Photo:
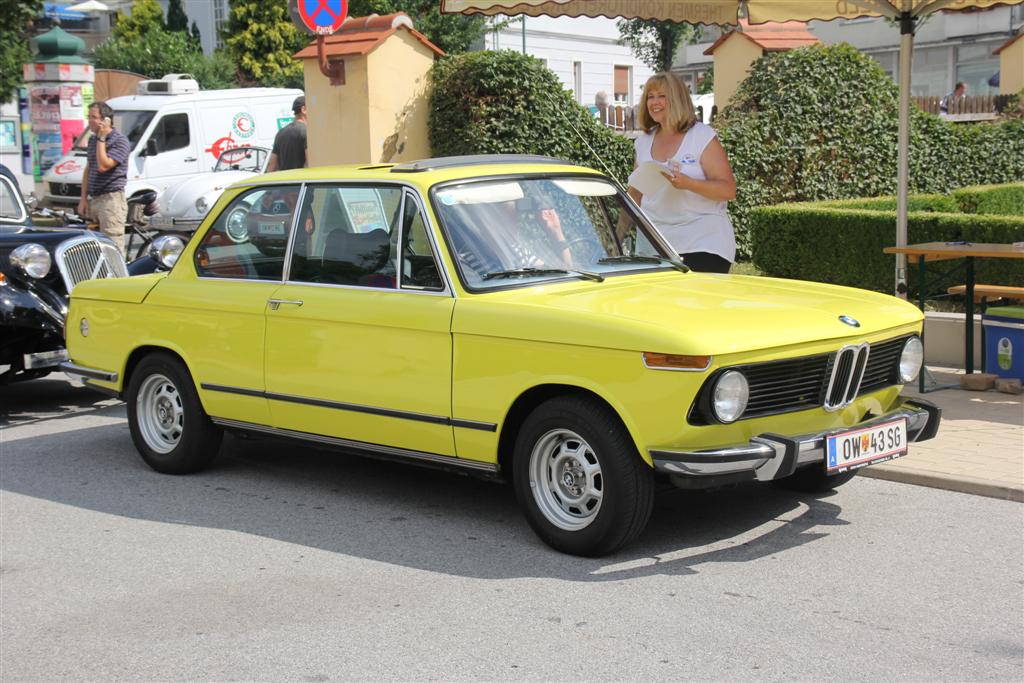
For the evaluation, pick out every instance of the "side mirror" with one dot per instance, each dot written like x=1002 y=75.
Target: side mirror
x=151 y=150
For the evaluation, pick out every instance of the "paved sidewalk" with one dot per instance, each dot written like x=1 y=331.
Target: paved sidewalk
x=979 y=448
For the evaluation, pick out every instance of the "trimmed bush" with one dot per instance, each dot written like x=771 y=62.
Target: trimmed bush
x=509 y=103
x=931 y=203
x=999 y=200
x=821 y=122
x=844 y=246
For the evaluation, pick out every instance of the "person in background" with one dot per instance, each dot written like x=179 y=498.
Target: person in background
x=290 y=142
x=689 y=209
x=106 y=175
x=959 y=92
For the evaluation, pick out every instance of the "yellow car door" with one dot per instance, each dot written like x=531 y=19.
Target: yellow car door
x=358 y=343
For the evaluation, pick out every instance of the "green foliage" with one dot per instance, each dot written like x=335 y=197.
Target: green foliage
x=841 y=242
x=261 y=39
x=177 y=20
x=453 y=33
x=162 y=52
x=14 y=51
x=506 y=102
x=655 y=42
x=146 y=17
x=821 y=122
x=707 y=83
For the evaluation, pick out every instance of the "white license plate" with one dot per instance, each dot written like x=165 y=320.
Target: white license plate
x=850 y=450
x=271 y=228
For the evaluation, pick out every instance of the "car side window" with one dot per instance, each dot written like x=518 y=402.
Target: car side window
x=348 y=235
x=419 y=267
x=11 y=208
x=171 y=133
x=249 y=239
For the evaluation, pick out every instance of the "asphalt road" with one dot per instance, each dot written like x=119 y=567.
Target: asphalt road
x=290 y=563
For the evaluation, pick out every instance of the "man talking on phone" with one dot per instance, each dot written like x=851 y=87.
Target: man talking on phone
x=106 y=175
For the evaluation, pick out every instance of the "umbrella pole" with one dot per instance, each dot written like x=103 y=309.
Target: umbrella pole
x=907 y=24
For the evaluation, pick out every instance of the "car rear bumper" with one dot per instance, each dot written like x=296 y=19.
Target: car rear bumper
x=774 y=456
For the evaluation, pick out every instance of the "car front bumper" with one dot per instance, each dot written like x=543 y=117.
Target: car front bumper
x=774 y=456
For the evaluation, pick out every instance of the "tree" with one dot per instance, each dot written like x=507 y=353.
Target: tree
x=177 y=20
x=261 y=39
x=706 y=85
x=453 y=33
x=146 y=16
x=14 y=50
x=197 y=37
x=655 y=42
x=161 y=52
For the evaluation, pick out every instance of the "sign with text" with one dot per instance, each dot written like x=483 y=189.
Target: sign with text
x=318 y=17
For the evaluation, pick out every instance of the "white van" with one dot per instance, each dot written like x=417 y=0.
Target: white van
x=177 y=130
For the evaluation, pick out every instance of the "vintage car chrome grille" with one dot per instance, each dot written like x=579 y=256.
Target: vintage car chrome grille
x=829 y=380
x=87 y=258
x=65 y=189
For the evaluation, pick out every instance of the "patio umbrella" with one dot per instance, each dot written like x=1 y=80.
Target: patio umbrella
x=725 y=12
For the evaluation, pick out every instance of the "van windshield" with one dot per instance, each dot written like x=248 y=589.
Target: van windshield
x=132 y=124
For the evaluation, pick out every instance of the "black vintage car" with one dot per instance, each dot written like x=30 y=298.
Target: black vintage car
x=38 y=268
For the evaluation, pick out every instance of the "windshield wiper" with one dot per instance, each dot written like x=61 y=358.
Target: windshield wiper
x=636 y=258
x=529 y=272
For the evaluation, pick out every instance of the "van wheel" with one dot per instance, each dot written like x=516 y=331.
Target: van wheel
x=168 y=425
x=813 y=480
x=579 y=480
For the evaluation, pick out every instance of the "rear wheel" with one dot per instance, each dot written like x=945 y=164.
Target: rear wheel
x=579 y=480
x=814 y=480
x=168 y=425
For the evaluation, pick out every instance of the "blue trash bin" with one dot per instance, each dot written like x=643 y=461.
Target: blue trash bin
x=1004 y=341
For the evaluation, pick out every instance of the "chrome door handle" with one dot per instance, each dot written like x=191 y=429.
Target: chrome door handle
x=274 y=303
x=190 y=158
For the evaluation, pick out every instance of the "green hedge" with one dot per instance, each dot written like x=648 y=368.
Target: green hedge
x=508 y=103
x=844 y=246
x=931 y=203
x=999 y=200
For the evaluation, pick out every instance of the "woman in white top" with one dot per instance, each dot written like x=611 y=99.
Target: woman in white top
x=689 y=208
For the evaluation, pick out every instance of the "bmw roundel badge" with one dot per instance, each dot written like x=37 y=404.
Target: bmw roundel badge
x=852 y=322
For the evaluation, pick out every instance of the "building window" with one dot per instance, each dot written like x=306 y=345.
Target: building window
x=975 y=65
x=930 y=74
x=622 y=89
x=220 y=20
x=577 y=81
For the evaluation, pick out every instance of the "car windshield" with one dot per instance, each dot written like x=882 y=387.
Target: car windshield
x=11 y=206
x=242 y=159
x=132 y=124
x=528 y=230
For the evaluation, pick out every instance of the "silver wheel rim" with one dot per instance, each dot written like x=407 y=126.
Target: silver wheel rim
x=566 y=479
x=160 y=413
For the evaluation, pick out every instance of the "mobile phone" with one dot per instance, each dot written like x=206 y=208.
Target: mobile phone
x=110 y=121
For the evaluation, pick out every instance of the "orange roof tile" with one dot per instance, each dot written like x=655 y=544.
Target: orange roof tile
x=360 y=35
x=771 y=36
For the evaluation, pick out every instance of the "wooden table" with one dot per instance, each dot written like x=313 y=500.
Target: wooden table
x=943 y=251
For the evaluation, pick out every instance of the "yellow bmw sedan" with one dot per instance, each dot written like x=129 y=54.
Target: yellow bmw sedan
x=506 y=316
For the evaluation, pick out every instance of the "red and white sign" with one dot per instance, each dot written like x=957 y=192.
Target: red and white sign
x=66 y=167
x=318 y=17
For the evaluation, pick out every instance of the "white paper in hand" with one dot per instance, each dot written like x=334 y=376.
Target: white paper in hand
x=647 y=177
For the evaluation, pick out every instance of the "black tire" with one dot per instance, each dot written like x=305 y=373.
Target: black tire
x=814 y=480
x=170 y=429
x=582 y=439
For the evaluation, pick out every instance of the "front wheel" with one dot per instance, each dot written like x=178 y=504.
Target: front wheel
x=578 y=477
x=170 y=429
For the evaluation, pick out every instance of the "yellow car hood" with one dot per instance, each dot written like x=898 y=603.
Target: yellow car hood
x=687 y=313
x=128 y=290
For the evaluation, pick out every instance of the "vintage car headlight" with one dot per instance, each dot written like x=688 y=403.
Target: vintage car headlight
x=730 y=395
x=911 y=359
x=202 y=206
x=237 y=225
x=33 y=259
x=167 y=249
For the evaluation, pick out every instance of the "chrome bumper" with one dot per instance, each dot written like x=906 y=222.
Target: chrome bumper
x=89 y=373
x=773 y=456
x=44 y=359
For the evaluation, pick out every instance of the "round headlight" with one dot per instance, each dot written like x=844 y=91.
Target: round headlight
x=730 y=396
x=911 y=359
x=237 y=225
x=167 y=249
x=202 y=206
x=33 y=259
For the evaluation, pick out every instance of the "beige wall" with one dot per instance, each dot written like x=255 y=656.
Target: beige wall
x=379 y=115
x=399 y=73
x=733 y=59
x=1011 y=69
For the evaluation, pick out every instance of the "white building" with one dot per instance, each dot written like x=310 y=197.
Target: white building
x=583 y=52
x=210 y=16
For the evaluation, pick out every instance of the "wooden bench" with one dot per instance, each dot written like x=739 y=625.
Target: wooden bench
x=990 y=292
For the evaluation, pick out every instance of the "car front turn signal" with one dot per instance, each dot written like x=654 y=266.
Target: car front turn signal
x=670 y=361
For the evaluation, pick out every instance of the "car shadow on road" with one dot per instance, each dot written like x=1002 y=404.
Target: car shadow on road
x=48 y=398
x=387 y=512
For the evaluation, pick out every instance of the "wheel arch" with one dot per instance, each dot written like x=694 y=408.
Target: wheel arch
x=140 y=352
x=528 y=400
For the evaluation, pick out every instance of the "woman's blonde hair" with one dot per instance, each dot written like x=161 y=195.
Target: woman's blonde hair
x=681 y=115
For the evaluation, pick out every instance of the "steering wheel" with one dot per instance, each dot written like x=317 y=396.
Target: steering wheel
x=592 y=252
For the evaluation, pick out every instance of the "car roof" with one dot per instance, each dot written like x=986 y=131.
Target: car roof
x=426 y=173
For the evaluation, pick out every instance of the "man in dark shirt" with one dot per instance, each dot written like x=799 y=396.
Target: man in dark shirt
x=106 y=174
x=290 y=143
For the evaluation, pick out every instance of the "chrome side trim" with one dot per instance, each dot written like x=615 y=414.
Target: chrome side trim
x=378 y=449
x=354 y=407
x=92 y=373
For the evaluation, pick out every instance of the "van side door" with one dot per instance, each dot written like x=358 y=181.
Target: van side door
x=171 y=151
